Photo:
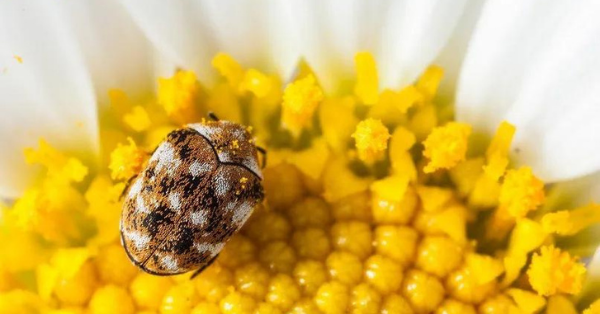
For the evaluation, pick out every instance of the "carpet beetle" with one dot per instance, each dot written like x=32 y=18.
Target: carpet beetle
x=198 y=188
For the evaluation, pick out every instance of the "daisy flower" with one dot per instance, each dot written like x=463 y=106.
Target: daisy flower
x=424 y=157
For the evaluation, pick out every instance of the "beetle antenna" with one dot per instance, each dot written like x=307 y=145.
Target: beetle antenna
x=213 y=116
x=264 y=153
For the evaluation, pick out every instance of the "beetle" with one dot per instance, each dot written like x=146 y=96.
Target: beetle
x=198 y=188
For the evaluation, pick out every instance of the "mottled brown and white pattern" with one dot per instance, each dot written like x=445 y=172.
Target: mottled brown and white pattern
x=199 y=188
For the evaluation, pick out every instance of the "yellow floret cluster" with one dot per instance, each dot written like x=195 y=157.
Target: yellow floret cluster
x=376 y=202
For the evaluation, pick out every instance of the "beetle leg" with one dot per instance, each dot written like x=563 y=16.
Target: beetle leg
x=264 y=153
x=213 y=116
x=196 y=273
x=127 y=187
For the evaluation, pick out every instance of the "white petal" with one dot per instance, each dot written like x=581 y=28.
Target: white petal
x=405 y=36
x=180 y=32
x=453 y=53
x=414 y=32
x=534 y=63
x=70 y=51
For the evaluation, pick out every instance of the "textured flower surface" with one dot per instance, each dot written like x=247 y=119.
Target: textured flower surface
x=388 y=189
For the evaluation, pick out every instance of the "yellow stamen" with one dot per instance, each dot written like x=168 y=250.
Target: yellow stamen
x=371 y=138
x=553 y=271
x=229 y=68
x=59 y=166
x=367 y=83
x=528 y=302
x=593 y=309
x=401 y=142
x=521 y=192
x=178 y=95
x=446 y=146
x=570 y=222
x=300 y=99
x=126 y=160
x=430 y=80
x=138 y=119
x=560 y=304
x=255 y=82
x=484 y=268
x=497 y=153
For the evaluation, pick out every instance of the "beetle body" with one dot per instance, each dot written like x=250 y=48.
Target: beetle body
x=198 y=188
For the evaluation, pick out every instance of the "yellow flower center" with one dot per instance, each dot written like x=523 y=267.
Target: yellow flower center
x=374 y=204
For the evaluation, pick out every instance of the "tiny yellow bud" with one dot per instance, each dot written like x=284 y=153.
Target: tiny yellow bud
x=396 y=304
x=383 y=273
x=237 y=303
x=205 y=308
x=388 y=211
x=267 y=308
x=111 y=299
x=464 y=286
x=365 y=300
x=450 y=306
x=278 y=256
x=78 y=289
x=114 y=266
x=238 y=251
x=310 y=212
x=396 y=242
x=311 y=243
x=213 y=283
x=252 y=279
x=438 y=255
x=283 y=292
x=498 y=304
x=332 y=298
x=310 y=275
x=179 y=299
x=352 y=236
x=148 y=290
x=284 y=185
x=423 y=291
x=344 y=267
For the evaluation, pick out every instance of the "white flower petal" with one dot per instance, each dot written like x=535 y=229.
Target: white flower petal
x=70 y=51
x=534 y=63
x=180 y=32
x=414 y=33
x=452 y=56
x=405 y=36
